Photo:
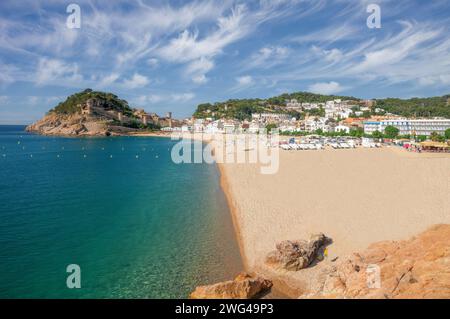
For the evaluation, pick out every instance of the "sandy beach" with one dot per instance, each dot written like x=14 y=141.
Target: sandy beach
x=356 y=197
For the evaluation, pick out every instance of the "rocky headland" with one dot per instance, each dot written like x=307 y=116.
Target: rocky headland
x=91 y=113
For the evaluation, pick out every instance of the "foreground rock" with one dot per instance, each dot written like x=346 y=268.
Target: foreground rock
x=244 y=286
x=296 y=255
x=416 y=268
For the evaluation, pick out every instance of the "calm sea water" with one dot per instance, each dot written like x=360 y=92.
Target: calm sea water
x=138 y=225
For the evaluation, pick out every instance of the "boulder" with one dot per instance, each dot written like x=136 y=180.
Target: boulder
x=244 y=286
x=297 y=255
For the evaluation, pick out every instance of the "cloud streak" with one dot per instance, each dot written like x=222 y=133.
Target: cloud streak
x=326 y=88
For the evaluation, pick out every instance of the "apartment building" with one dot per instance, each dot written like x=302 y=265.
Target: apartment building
x=409 y=127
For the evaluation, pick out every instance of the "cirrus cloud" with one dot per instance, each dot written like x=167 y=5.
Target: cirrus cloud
x=136 y=81
x=326 y=88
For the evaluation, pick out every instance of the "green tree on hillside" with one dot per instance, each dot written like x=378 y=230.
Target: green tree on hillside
x=421 y=138
x=377 y=134
x=391 y=131
x=447 y=134
x=270 y=127
x=111 y=101
x=358 y=132
x=417 y=107
x=436 y=137
x=319 y=132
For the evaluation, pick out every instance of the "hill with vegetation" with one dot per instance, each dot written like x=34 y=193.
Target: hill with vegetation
x=307 y=97
x=72 y=104
x=242 y=109
x=93 y=113
x=417 y=107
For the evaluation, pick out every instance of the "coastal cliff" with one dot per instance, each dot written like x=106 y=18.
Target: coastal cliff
x=74 y=124
x=91 y=113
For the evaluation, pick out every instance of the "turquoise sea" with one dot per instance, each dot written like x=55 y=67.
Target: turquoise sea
x=138 y=225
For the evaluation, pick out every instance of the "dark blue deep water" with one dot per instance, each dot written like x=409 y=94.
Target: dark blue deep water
x=138 y=225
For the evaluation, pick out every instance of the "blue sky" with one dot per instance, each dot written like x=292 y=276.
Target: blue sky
x=172 y=55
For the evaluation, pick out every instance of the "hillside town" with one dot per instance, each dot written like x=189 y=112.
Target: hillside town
x=336 y=116
x=335 y=123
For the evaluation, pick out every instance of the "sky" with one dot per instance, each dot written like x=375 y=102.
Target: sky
x=173 y=55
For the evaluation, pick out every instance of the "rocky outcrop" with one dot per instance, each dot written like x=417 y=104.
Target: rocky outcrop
x=94 y=113
x=95 y=117
x=244 y=286
x=415 y=268
x=296 y=255
x=74 y=124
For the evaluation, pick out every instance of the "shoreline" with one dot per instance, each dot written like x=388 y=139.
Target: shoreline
x=234 y=215
x=137 y=134
x=281 y=288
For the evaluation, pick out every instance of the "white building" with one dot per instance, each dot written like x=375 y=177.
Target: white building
x=402 y=124
x=293 y=104
x=345 y=113
x=255 y=128
x=186 y=128
x=198 y=127
x=342 y=128
x=371 y=126
x=288 y=128
x=270 y=117
x=215 y=127
x=426 y=127
x=229 y=127
x=312 y=125
x=410 y=127
x=310 y=106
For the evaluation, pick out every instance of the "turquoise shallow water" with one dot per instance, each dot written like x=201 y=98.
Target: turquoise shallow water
x=138 y=225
